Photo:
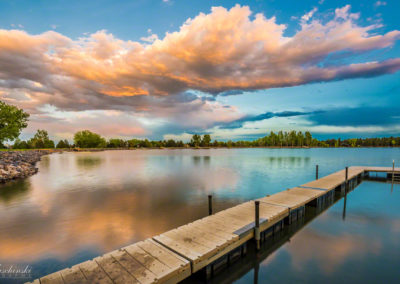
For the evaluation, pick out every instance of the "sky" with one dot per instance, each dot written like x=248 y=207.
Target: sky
x=165 y=69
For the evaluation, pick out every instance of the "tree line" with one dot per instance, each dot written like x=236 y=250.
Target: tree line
x=88 y=139
x=13 y=120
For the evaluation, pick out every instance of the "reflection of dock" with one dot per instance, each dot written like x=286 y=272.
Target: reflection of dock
x=214 y=241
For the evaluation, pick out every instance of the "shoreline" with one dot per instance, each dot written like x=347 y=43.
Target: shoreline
x=19 y=164
x=212 y=148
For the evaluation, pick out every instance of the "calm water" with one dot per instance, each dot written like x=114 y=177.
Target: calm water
x=81 y=205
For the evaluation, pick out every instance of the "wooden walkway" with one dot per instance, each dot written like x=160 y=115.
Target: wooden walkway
x=175 y=255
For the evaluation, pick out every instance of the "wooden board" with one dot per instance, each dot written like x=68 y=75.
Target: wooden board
x=307 y=192
x=179 y=267
x=54 y=278
x=287 y=199
x=114 y=269
x=73 y=275
x=333 y=180
x=93 y=273
x=134 y=268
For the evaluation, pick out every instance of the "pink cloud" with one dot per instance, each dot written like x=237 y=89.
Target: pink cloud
x=215 y=52
x=224 y=50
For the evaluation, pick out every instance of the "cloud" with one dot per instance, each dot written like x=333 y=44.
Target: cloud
x=221 y=51
x=253 y=118
x=380 y=3
x=150 y=38
x=224 y=52
x=358 y=116
x=309 y=15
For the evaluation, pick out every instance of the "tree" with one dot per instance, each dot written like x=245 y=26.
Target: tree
x=133 y=143
x=41 y=140
x=62 y=144
x=88 y=139
x=196 y=140
x=116 y=143
x=171 y=143
x=300 y=139
x=205 y=142
x=18 y=144
x=12 y=121
x=308 y=138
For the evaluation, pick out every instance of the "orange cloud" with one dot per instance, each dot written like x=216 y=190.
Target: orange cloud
x=224 y=51
x=215 y=52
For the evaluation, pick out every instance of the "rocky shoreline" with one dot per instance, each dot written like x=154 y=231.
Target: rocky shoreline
x=19 y=164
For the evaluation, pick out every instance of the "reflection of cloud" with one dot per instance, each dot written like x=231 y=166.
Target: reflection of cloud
x=328 y=251
x=214 y=179
x=108 y=206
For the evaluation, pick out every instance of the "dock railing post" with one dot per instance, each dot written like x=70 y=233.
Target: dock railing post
x=347 y=177
x=316 y=172
x=257 y=224
x=210 y=209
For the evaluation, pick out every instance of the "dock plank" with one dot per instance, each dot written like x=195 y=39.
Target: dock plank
x=114 y=270
x=159 y=269
x=178 y=247
x=180 y=267
x=285 y=198
x=54 y=278
x=93 y=273
x=73 y=275
x=137 y=270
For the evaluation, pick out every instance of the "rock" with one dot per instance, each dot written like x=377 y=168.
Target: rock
x=19 y=164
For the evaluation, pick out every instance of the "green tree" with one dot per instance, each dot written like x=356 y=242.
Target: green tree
x=205 y=142
x=133 y=143
x=300 y=139
x=308 y=138
x=63 y=144
x=171 y=143
x=88 y=139
x=12 y=121
x=116 y=143
x=196 y=140
x=41 y=140
x=18 y=144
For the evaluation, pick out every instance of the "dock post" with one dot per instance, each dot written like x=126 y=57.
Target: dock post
x=210 y=211
x=347 y=180
x=393 y=173
x=316 y=172
x=257 y=222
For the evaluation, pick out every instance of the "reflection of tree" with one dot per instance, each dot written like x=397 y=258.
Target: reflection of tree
x=289 y=161
x=88 y=162
x=13 y=190
x=197 y=160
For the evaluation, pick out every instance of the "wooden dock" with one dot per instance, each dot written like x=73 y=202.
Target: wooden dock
x=213 y=240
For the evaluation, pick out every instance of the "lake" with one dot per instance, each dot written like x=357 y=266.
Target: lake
x=81 y=205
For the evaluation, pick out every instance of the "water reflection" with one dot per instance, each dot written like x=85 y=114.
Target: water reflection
x=292 y=161
x=81 y=205
x=88 y=162
x=102 y=203
x=324 y=249
x=13 y=190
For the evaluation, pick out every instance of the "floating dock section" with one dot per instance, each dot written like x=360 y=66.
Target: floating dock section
x=213 y=241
